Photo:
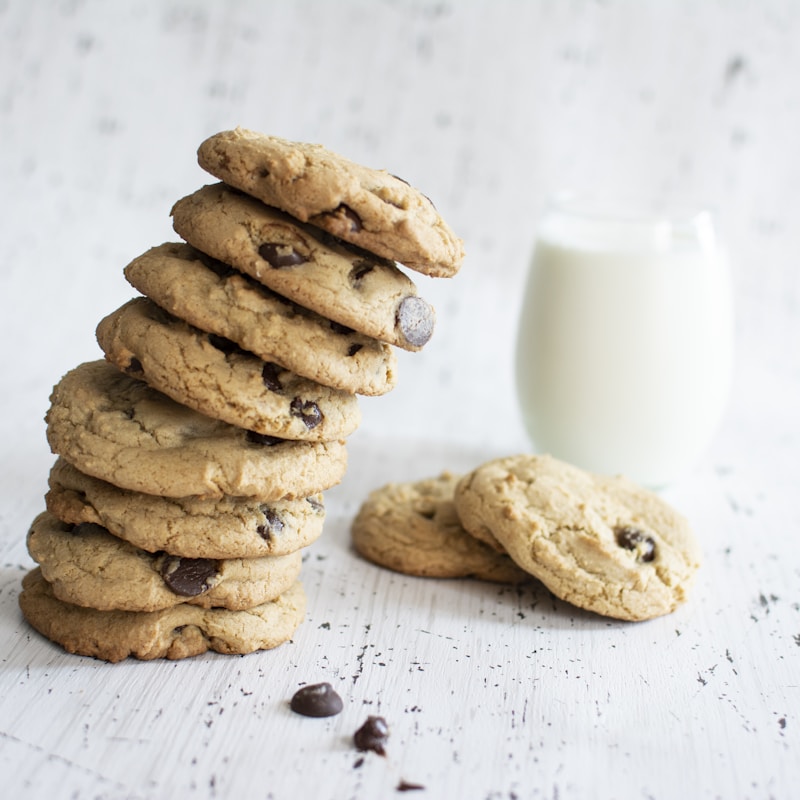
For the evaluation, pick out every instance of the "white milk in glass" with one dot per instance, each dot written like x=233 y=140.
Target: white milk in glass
x=624 y=354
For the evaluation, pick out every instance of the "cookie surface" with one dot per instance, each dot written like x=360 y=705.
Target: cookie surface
x=600 y=543
x=370 y=208
x=216 y=298
x=349 y=286
x=87 y=566
x=217 y=378
x=119 y=429
x=178 y=632
x=413 y=528
x=227 y=527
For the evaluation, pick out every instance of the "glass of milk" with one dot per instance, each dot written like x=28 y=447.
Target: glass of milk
x=625 y=344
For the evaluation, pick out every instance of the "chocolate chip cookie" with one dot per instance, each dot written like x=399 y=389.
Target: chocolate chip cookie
x=351 y=287
x=413 y=528
x=600 y=543
x=87 y=566
x=216 y=377
x=178 y=632
x=370 y=208
x=194 y=527
x=220 y=300
x=119 y=429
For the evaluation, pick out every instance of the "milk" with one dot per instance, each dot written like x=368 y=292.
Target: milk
x=624 y=353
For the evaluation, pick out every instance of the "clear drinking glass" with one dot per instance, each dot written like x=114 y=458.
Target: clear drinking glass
x=625 y=344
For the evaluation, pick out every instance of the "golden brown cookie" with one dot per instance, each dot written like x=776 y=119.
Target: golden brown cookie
x=119 y=429
x=600 y=543
x=351 y=287
x=216 y=377
x=195 y=527
x=370 y=208
x=413 y=528
x=178 y=632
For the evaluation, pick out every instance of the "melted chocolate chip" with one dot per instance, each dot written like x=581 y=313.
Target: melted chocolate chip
x=263 y=438
x=344 y=212
x=353 y=349
x=372 y=735
x=272 y=525
x=281 y=255
x=269 y=375
x=223 y=344
x=632 y=538
x=307 y=411
x=359 y=269
x=134 y=367
x=316 y=700
x=415 y=319
x=188 y=577
x=316 y=505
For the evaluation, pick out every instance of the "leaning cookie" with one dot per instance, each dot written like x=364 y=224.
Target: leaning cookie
x=600 y=543
x=178 y=632
x=221 y=300
x=87 y=566
x=367 y=207
x=217 y=378
x=120 y=430
x=349 y=286
x=413 y=528
x=194 y=527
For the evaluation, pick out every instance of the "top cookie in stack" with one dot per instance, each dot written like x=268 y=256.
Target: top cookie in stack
x=227 y=392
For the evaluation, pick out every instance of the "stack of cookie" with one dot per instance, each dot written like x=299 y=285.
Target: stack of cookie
x=601 y=543
x=193 y=459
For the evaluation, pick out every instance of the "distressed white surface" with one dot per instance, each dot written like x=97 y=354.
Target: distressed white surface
x=488 y=107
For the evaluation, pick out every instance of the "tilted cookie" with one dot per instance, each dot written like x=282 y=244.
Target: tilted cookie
x=413 y=528
x=349 y=286
x=600 y=543
x=219 y=299
x=87 y=566
x=370 y=208
x=216 y=377
x=119 y=429
x=195 y=527
x=178 y=632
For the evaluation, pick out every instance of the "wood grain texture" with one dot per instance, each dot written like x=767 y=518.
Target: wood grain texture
x=488 y=107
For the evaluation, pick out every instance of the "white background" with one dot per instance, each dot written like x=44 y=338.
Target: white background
x=488 y=107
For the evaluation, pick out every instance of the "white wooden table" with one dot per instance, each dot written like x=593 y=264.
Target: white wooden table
x=489 y=692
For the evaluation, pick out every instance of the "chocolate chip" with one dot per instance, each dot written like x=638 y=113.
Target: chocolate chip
x=307 y=411
x=134 y=367
x=345 y=213
x=316 y=505
x=316 y=700
x=632 y=538
x=188 y=577
x=353 y=349
x=263 y=438
x=269 y=375
x=272 y=525
x=225 y=345
x=359 y=269
x=281 y=255
x=372 y=735
x=415 y=319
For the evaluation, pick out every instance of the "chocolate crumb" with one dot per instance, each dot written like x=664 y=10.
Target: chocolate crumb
x=405 y=786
